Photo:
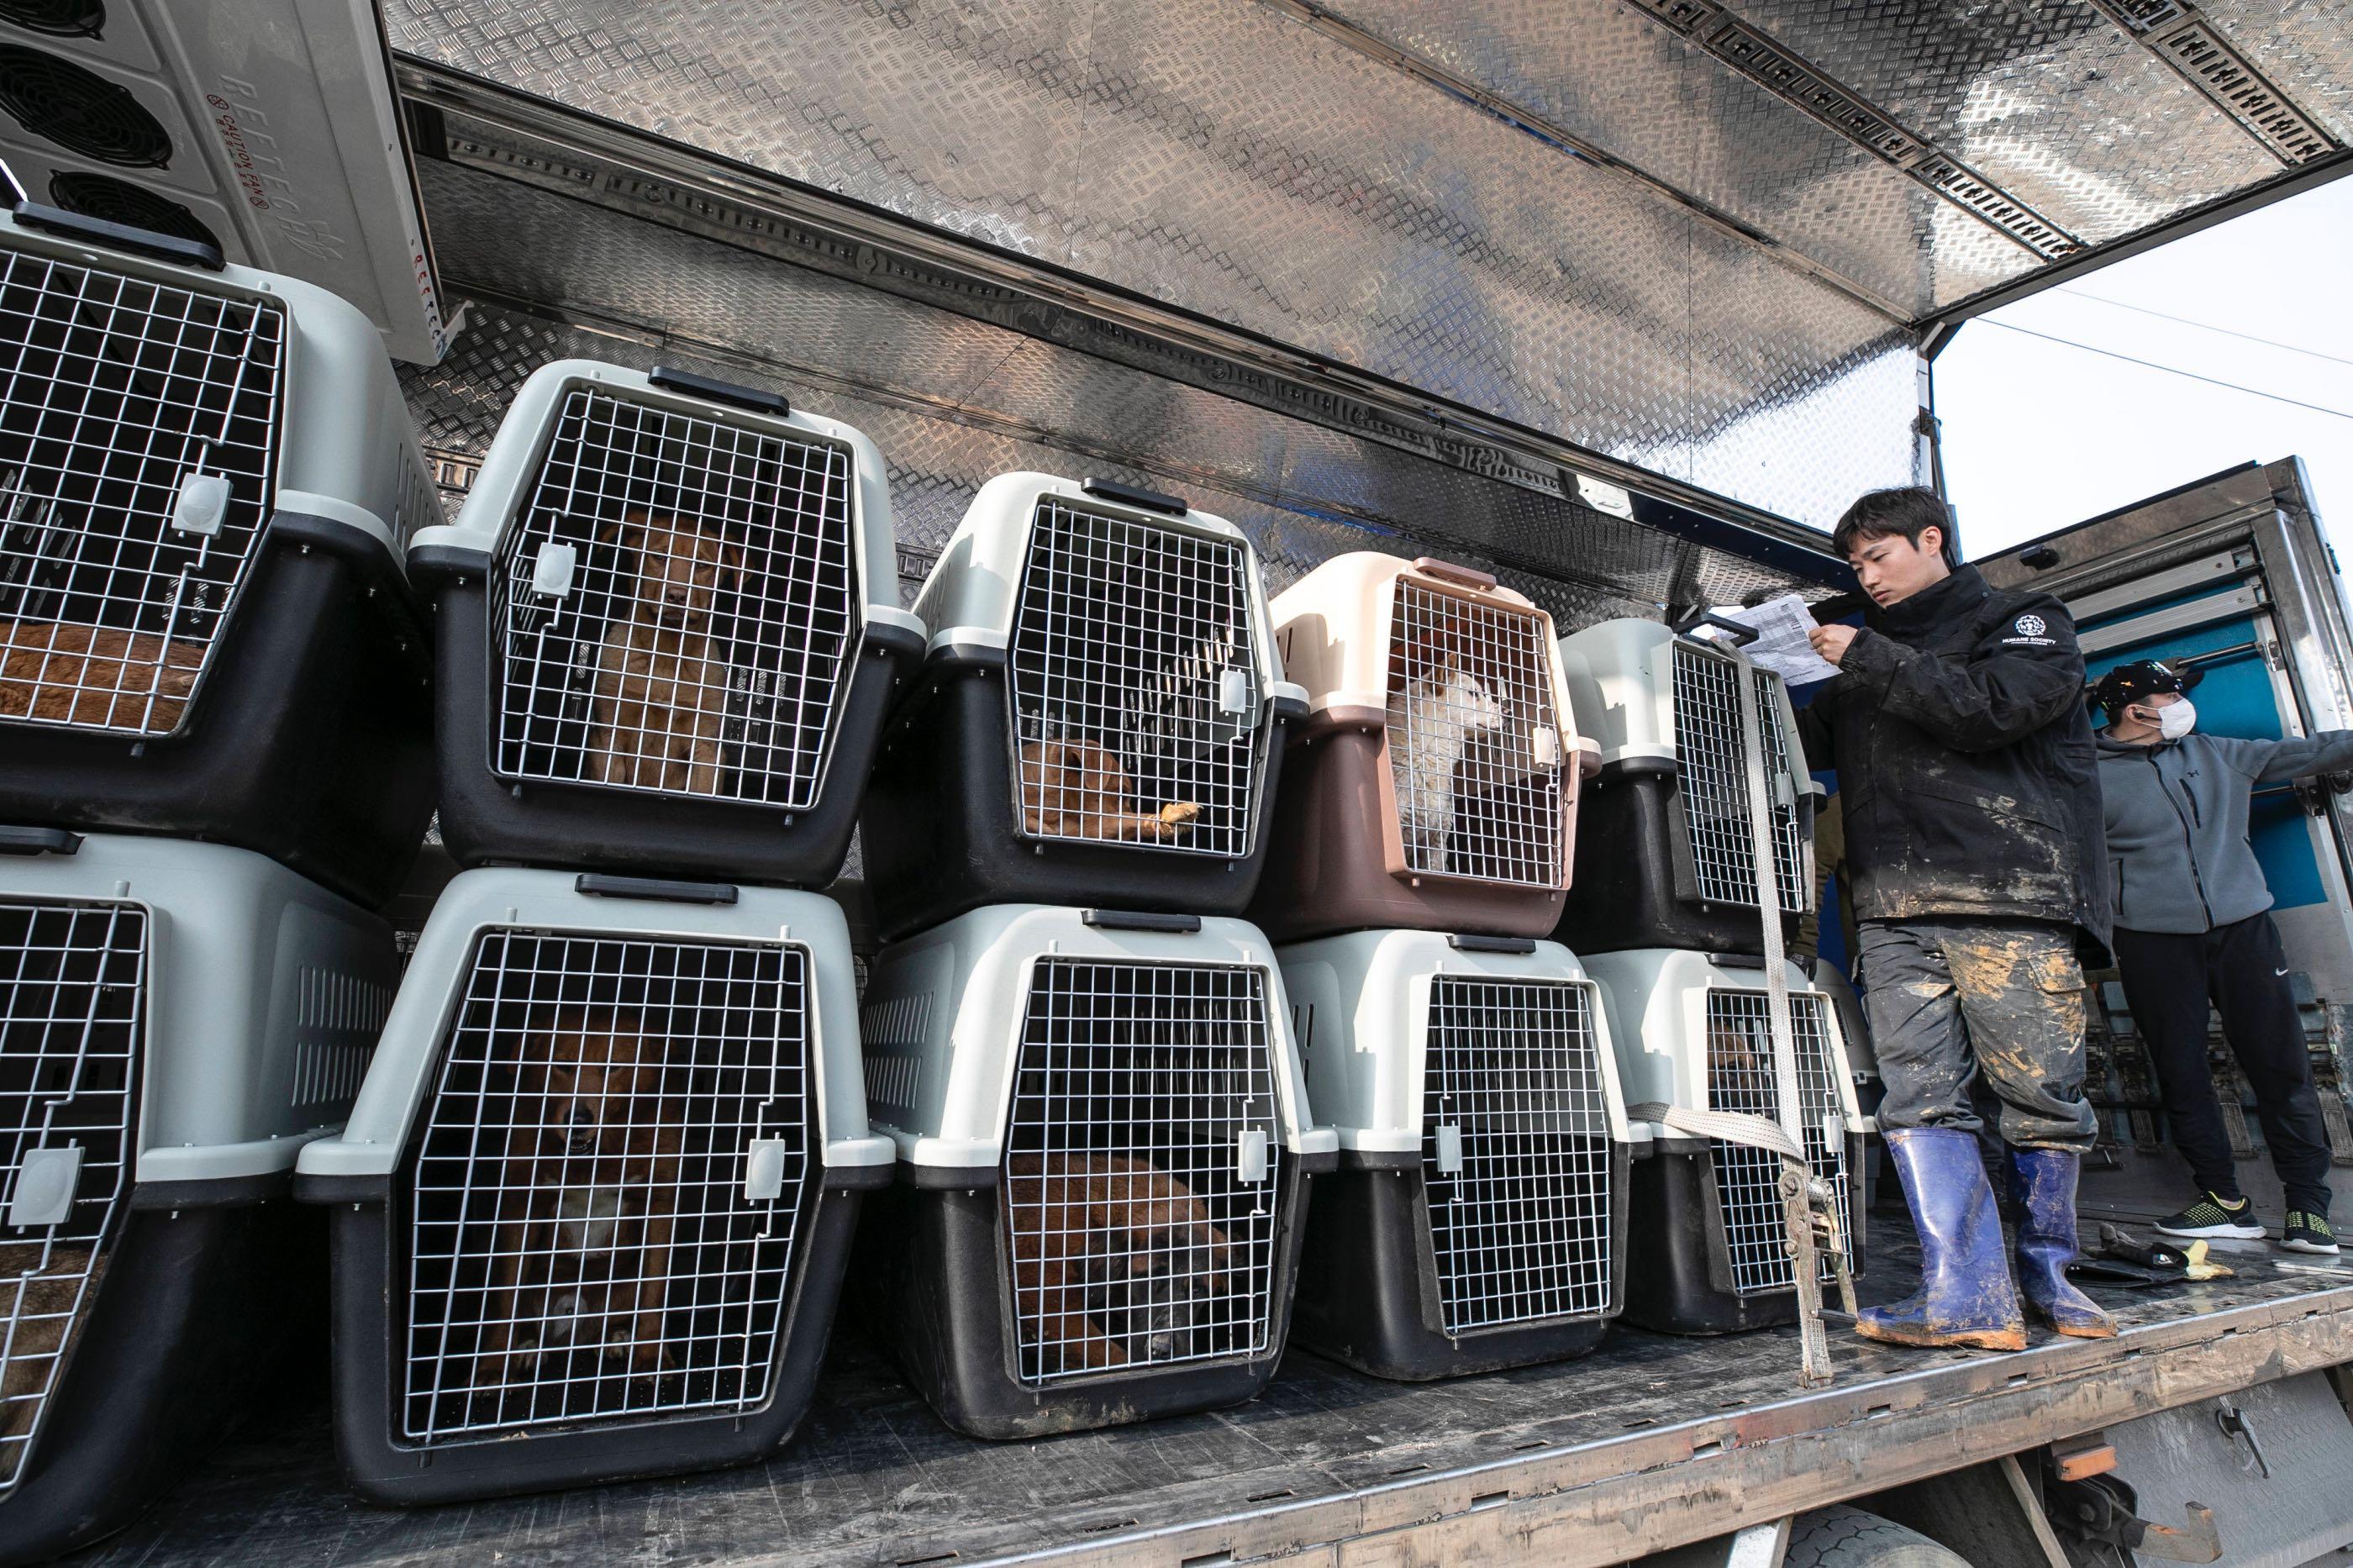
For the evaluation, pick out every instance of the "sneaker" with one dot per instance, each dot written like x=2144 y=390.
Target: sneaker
x=2308 y=1232
x=2214 y=1216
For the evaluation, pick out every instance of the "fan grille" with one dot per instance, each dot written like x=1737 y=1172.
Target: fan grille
x=78 y=110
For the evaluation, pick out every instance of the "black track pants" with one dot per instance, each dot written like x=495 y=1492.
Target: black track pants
x=2168 y=980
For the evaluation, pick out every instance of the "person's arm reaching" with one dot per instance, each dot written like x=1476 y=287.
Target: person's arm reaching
x=2269 y=762
x=2023 y=674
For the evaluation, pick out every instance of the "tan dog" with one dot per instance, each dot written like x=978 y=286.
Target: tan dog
x=1114 y=1259
x=46 y=1329
x=586 y=1202
x=67 y=674
x=662 y=696
x=1076 y=789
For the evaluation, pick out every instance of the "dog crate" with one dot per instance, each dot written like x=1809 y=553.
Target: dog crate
x=1668 y=858
x=1103 y=1156
x=1694 y=1030
x=592 y=1210
x=207 y=477
x=1434 y=784
x=1478 y=1218
x=176 y=1020
x=1100 y=719
x=669 y=626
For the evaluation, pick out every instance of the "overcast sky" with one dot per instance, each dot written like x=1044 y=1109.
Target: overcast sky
x=2039 y=434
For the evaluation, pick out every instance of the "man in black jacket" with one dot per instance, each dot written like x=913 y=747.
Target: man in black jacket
x=1971 y=799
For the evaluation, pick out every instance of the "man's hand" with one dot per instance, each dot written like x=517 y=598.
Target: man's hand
x=1831 y=642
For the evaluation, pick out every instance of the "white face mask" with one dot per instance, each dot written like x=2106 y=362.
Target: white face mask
x=2175 y=719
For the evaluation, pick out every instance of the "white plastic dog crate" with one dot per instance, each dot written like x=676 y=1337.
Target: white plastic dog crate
x=594 y=1205
x=206 y=479
x=669 y=627
x=1668 y=860
x=1103 y=1155
x=1693 y=1030
x=1478 y=1219
x=1435 y=783
x=176 y=1020
x=1100 y=719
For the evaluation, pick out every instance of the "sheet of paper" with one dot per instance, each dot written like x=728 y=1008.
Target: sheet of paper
x=1781 y=626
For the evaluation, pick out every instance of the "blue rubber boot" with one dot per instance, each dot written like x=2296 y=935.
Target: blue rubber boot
x=1965 y=1298
x=2044 y=1181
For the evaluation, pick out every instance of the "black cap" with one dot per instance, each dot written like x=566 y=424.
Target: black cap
x=2129 y=683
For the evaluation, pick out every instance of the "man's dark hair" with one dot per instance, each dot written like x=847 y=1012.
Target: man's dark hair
x=1904 y=512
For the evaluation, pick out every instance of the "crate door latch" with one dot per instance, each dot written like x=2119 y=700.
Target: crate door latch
x=764 y=1170
x=1450 y=1150
x=1250 y=1156
x=552 y=569
x=44 y=1185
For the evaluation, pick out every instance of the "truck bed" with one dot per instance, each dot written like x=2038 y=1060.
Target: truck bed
x=1651 y=1441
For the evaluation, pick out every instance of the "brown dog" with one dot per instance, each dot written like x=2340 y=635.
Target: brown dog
x=587 y=1198
x=1076 y=789
x=100 y=676
x=43 y=1309
x=662 y=696
x=1116 y=1259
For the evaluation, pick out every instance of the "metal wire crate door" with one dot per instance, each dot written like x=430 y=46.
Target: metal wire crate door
x=676 y=608
x=1714 y=782
x=1475 y=748
x=1740 y=1078
x=138 y=464
x=603 y=1201
x=1143 y=1174
x=1136 y=701
x=72 y=994
x=1515 y=1149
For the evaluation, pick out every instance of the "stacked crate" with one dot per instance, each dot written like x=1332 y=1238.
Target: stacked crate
x=593 y=1208
x=1086 y=1060
x=1667 y=917
x=215 y=706
x=1423 y=848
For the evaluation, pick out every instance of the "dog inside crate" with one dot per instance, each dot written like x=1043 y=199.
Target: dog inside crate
x=1141 y=1173
x=1135 y=692
x=138 y=451
x=675 y=607
x=1741 y=1077
x=584 y=1237
x=1475 y=745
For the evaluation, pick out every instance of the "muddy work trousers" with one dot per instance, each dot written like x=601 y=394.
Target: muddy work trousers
x=1951 y=1001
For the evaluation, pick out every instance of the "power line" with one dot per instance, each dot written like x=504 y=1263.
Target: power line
x=2169 y=370
x=2202 y=326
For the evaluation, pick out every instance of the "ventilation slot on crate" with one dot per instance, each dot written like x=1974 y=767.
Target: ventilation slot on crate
x=138 y=456
x=1515 y=1144
x=1136 y=701
x=1141 y=1168
x=1740 y=1078
x=1711 y=755
x=601 y=1213
x=72 y=985
x=1475 y=745
x=675 y=609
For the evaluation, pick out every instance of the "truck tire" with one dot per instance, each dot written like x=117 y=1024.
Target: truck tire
x=1850 y=1538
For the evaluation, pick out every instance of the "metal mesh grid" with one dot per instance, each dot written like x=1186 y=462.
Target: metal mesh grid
x=676 y=607
x=1143 y=1168
x=1135 y=694
x=602 y=1202
x=1511 y=1100
x=138 y=464
x=1475 y=748
x=1711 y=761
x=72 y=985
x=1748 y=1181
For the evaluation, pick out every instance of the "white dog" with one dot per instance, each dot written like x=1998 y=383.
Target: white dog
x=1433 y=723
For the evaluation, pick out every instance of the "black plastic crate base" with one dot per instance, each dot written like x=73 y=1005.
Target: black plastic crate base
x=197 y=1311
x=309 y=739
x=1368 y=1293
x=1633 y=873
x=488 y=820
x=943 y=835
x=1679 y=1275
x=944 y=1289
x=592 y=1452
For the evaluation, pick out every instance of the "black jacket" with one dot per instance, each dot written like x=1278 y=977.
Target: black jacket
x=1965 y=760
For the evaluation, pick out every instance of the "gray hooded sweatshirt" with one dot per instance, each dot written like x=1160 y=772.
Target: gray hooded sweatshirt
x=2179 y=860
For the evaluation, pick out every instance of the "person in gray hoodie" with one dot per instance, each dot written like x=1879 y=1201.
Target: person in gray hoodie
x=2193 y=928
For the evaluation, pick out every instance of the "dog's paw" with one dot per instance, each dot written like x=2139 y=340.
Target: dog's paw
x=1179 y=815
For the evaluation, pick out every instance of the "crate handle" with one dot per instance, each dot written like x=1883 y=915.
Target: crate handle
x=120 y=235
x=1139 y=920
x=1136 y=495
x=1469 y=576
x=38 y=841
x=672 y=379
x=600 y=885
x=1471 y=942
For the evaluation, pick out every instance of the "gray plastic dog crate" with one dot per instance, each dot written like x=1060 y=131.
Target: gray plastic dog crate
x=593 y=1208
x=176 y=1022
